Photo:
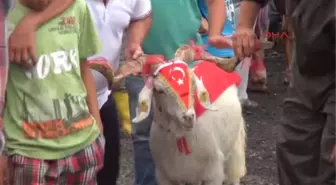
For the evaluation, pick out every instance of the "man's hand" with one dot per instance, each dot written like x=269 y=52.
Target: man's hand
x=133 y=52
x=22 y=43
x=219 y=41
x=244 y=43
x=333 y=154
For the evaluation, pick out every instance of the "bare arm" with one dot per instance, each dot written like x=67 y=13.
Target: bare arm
x=136 y=33
x=244 y=40
x=248 y=14
x=91 y=98
x=138 y=30
x=217 y=16
x=55 y=8
x=21 y=43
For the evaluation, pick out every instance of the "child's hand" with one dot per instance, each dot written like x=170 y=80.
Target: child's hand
x=333 y=154
x=204 y=27
x=219 y=41
x=21 y=43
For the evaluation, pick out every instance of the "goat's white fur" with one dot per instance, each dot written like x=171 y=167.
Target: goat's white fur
x=217 y=143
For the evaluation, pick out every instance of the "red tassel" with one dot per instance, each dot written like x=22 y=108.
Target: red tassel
x=186 y=147
x=151 y=59
x=179 y=145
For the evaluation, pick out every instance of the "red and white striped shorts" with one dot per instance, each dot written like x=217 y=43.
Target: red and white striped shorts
x=78 y=169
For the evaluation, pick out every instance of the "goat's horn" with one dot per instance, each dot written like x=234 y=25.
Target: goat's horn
x=129 y=68
x=103 y=67
x=188 y=54
x=185 y=53
x=227 y=64
x=144 y=64
x=266 y=44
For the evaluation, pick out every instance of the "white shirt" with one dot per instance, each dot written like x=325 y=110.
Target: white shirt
x=111 y=21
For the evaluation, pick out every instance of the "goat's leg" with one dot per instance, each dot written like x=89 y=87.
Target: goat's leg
x=236 y=164
x=217 y=176
x=162 y=179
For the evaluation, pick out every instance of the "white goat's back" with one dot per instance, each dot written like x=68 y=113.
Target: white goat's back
x=227 y=121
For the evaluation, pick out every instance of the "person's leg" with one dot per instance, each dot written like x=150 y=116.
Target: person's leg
x=28 y=171
x=109 y=173
x=257 y=74
x=144 y=164
x=82 y=167
x=326 y=168
x=298 y=147
x=243 y=70
x=287 y=27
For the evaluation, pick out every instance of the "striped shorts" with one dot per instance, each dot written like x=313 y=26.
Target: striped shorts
x=78 y=169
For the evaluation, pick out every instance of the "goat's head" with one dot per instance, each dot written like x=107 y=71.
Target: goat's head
x=172 y=86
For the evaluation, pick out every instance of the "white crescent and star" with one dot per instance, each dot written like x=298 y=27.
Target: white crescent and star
x=180 y=80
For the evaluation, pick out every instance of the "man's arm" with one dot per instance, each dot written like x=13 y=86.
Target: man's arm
x=91 y=98
x=141 y=21
x=244 y=40
x=217 y=16
x=248 y=13
x=138 y=30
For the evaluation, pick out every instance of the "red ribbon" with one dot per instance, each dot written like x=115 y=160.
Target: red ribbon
x=182 y=145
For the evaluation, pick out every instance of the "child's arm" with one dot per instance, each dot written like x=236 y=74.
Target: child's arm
x=216 y=20
x=217 y=16
x=91 y=97
x=23 y=37
x=89 y=45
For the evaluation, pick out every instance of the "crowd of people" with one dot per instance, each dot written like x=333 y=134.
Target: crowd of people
x=60 y=118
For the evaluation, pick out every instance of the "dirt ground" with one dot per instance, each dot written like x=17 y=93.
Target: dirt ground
x=262 y=126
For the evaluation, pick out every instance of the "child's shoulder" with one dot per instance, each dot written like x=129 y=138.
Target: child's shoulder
x=18 y=11
x=80 y=4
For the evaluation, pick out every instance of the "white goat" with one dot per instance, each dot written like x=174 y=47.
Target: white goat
x=216 y=142
x=213 y=140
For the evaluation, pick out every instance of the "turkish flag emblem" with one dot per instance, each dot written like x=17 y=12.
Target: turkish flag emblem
x=177 y=76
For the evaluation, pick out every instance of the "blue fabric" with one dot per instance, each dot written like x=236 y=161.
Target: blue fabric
x=229 y=28
x=144 y=167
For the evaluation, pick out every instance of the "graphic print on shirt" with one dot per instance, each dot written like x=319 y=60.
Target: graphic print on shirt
x=66 y=25
x=59 y=117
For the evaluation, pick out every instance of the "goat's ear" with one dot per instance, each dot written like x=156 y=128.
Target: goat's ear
x=201 y=93
x=144 y=101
